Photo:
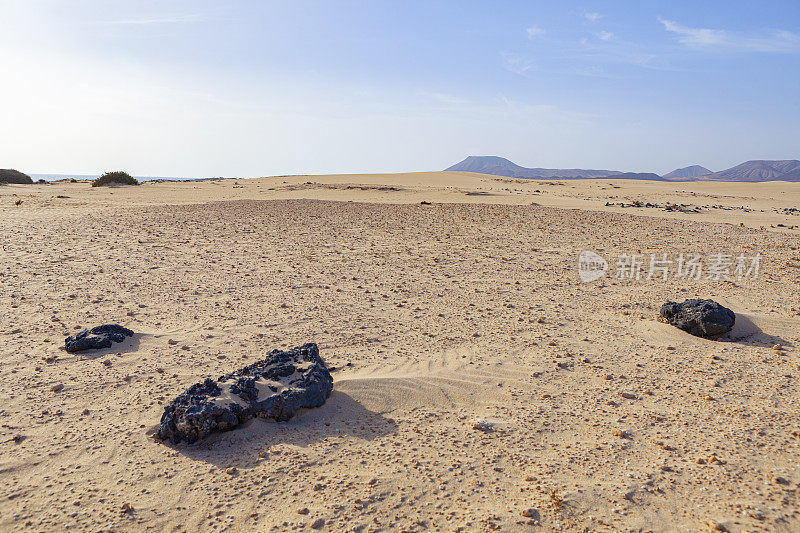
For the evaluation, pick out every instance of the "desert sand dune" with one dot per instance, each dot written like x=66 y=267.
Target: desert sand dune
x=478 y=383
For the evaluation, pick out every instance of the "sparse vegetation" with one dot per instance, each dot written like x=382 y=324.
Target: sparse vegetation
x=557 y=501
x=115 y=178
x=8 y=175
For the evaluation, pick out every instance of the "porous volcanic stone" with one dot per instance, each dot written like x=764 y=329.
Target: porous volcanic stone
x=702 y=318
x=96 y=338
x=275 y=387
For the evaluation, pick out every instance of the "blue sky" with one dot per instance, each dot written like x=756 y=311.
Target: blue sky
x=251 y=88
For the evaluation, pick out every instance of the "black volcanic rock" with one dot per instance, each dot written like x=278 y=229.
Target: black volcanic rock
x=702 y=318
x=97 y=338
x=693 y=171
x=8 y=175
x=500 y=166
x=275 y=387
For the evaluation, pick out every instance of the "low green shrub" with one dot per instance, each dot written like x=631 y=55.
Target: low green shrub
x=115 y=178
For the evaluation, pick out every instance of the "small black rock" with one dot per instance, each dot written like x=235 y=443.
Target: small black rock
x=702 y=318
x=275 y=387
x=97 y=338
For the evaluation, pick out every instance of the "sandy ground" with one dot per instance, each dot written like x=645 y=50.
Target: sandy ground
x=434 y=316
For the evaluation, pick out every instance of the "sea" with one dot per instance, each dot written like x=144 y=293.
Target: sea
x=56 y=177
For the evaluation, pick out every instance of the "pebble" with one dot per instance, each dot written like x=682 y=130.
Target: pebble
x=318 y=523
x=57 y=387
x=483 y=425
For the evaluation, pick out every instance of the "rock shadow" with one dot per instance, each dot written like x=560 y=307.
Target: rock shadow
x=747 y=332
x=341 y=415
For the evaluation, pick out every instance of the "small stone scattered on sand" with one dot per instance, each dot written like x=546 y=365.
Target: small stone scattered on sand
x=483 y=425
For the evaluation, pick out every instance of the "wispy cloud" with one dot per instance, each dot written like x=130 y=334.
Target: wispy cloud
x=535 y=32
x=604 y=35
x=593 y=71
x=775 y=41
x=592 y=16
x=522 y=107
x=517 y=64
x=607 y=50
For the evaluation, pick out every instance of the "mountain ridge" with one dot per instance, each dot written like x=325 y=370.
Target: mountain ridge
x=692 y=171
x=500 y=166
x=756 y=170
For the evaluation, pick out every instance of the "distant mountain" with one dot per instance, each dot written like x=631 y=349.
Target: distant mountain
x=500 y=166
x=750 y=171
x=693 y=171
x=637 y=176
x=759 y=170
x=8 y=175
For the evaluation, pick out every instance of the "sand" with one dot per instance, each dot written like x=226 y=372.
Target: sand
x=479 y=384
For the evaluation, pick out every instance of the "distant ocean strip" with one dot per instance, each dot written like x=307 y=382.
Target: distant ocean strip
x=57 y=177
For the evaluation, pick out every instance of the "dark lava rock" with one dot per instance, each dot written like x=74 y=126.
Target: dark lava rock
x=97 y=338
x=702 y=318
x=275 y=387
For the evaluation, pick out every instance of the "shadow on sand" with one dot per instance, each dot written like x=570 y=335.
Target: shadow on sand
x=745 y=331
x=341 y=415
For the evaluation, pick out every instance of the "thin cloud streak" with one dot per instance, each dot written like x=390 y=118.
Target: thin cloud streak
x=517 y=64
x=773 y=41
x=534 y=32
x=592 y=17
